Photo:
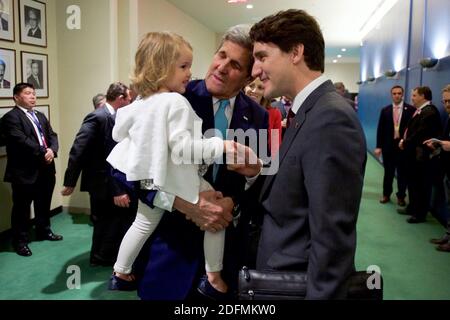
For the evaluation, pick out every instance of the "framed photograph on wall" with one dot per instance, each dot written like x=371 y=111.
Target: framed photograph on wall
x=33 y=23
x=35 y=71
x=3 y=111
x=7 y=73
x=7 y=20
x=45 y=109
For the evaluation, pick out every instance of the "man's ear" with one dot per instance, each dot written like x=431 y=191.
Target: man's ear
x=297 y=53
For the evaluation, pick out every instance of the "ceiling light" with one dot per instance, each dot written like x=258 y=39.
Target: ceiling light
x=339 y=55
x=249 y=6
x=334 y=61
x=343 y=49
x=428 y=62
x=236 y=1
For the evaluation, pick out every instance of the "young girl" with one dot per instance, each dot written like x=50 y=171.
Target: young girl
x=159 y=147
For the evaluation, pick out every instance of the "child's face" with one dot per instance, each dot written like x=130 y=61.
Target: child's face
x=181 y=75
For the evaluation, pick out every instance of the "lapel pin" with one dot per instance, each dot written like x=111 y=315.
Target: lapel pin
x=297 y=125
x=245 y=118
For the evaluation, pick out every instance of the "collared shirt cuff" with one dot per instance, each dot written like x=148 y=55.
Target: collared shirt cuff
x=164 y=201
x=251 y=181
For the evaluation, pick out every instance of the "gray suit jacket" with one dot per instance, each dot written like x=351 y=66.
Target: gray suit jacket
x=311 y=204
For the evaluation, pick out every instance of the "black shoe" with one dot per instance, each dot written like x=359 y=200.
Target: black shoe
x=206 y=289
x=49 y=235
x=116 y=283
x=403 y=211
x=23 y=250
x=401 y=202
x=442 y=240
x=415 y=220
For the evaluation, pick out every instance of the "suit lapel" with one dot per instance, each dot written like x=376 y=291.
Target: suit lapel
x=242 y=115
x=295 y=127
x=27 y=123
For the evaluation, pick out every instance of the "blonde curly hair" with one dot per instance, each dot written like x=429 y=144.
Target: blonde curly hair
x=155 y=60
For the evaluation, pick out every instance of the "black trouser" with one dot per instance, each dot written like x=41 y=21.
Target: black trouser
x=420 y=182
x=110 y=225
x=40 y=193
x=394 y=160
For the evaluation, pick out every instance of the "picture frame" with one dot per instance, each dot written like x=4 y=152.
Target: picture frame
x=7 y=72
x=7 y=20
x=33 y=23
x=3 y=111
x=45 y=109
x=35 y=72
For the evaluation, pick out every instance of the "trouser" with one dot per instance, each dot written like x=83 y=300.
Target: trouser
x=394 y=161
x=40 y=193
x=420 y=175
x=110 y=224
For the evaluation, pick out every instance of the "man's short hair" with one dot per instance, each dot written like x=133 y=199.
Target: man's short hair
x=240 y=35
x=425 y=92
x=98 y=98
x=446 y=88
x=18 y=88
x=397 y=87
x=116 y=90
x=289 y=28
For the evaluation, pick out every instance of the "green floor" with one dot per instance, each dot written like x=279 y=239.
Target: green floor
x=411 y=267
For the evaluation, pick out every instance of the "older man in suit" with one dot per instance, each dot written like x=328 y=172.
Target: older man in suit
x=311 y=205
x=175 y=259
x=4 y=84
x=31 y=146
x=391 y=127
x=112 y=209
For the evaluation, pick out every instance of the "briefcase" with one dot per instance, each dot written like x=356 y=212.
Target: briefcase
x=291 y=285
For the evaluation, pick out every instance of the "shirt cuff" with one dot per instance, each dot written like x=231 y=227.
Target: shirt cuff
x=251 y=181
x=164 y=201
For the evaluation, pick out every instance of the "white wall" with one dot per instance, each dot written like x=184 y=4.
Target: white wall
x=348 y=73
x=160 y=15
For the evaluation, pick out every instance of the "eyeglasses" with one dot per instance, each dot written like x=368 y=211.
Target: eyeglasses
x=446 y=101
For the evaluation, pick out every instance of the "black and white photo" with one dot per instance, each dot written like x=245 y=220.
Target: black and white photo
x=35 y=72
x=33 y=24
x=7 y=72
x=6 y=20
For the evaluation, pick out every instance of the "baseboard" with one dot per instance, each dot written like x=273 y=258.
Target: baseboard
x=7 y=233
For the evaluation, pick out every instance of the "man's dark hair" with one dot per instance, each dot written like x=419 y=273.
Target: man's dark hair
x=289 y=28
x=425 y=92
x=18 y=88
x=116 y=90
x=397 y=87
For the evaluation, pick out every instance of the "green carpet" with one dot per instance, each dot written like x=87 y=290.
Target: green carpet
x=411 y=267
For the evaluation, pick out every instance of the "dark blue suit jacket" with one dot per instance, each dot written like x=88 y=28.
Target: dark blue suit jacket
x=172 y=265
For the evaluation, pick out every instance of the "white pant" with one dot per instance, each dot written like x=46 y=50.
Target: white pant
x=146 y=221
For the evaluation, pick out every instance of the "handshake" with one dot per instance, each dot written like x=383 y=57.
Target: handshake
x=241 y=159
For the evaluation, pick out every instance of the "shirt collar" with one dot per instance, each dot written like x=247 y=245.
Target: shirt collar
x=24 y=109
x=398 y=105
x=424 y=105
x=110 y=108
x=303 y=94
x=232 y=101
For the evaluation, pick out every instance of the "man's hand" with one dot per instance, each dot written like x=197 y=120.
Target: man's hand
x=67 y=191
x=377 y=152
x=211 y=213
x=244 y=161
x=400 y=145
x=122 y=201
x=49 y=156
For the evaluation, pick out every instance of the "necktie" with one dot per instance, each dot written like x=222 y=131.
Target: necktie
x=291 y=115
x=38 y=125
x=396 y=122
x=221 y=124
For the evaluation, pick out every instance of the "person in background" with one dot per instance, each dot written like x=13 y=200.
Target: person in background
x=98 y=100
x=391 y=127
x=4 y=84
x=31 y=146
x=35 y=77
x=421 y=163
x=112 y=208
x=443 y=244
x=340 y=88
x=255 y=91
x=33 y=24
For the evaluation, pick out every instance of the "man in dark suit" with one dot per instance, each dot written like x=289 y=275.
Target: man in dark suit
x=31 y=146
x=421 y=163
x=4 y=84
x=391 y=126
x=112 y=209
x=174 y=263
x=311 y=205
x=35 y=77
x=33 y=23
